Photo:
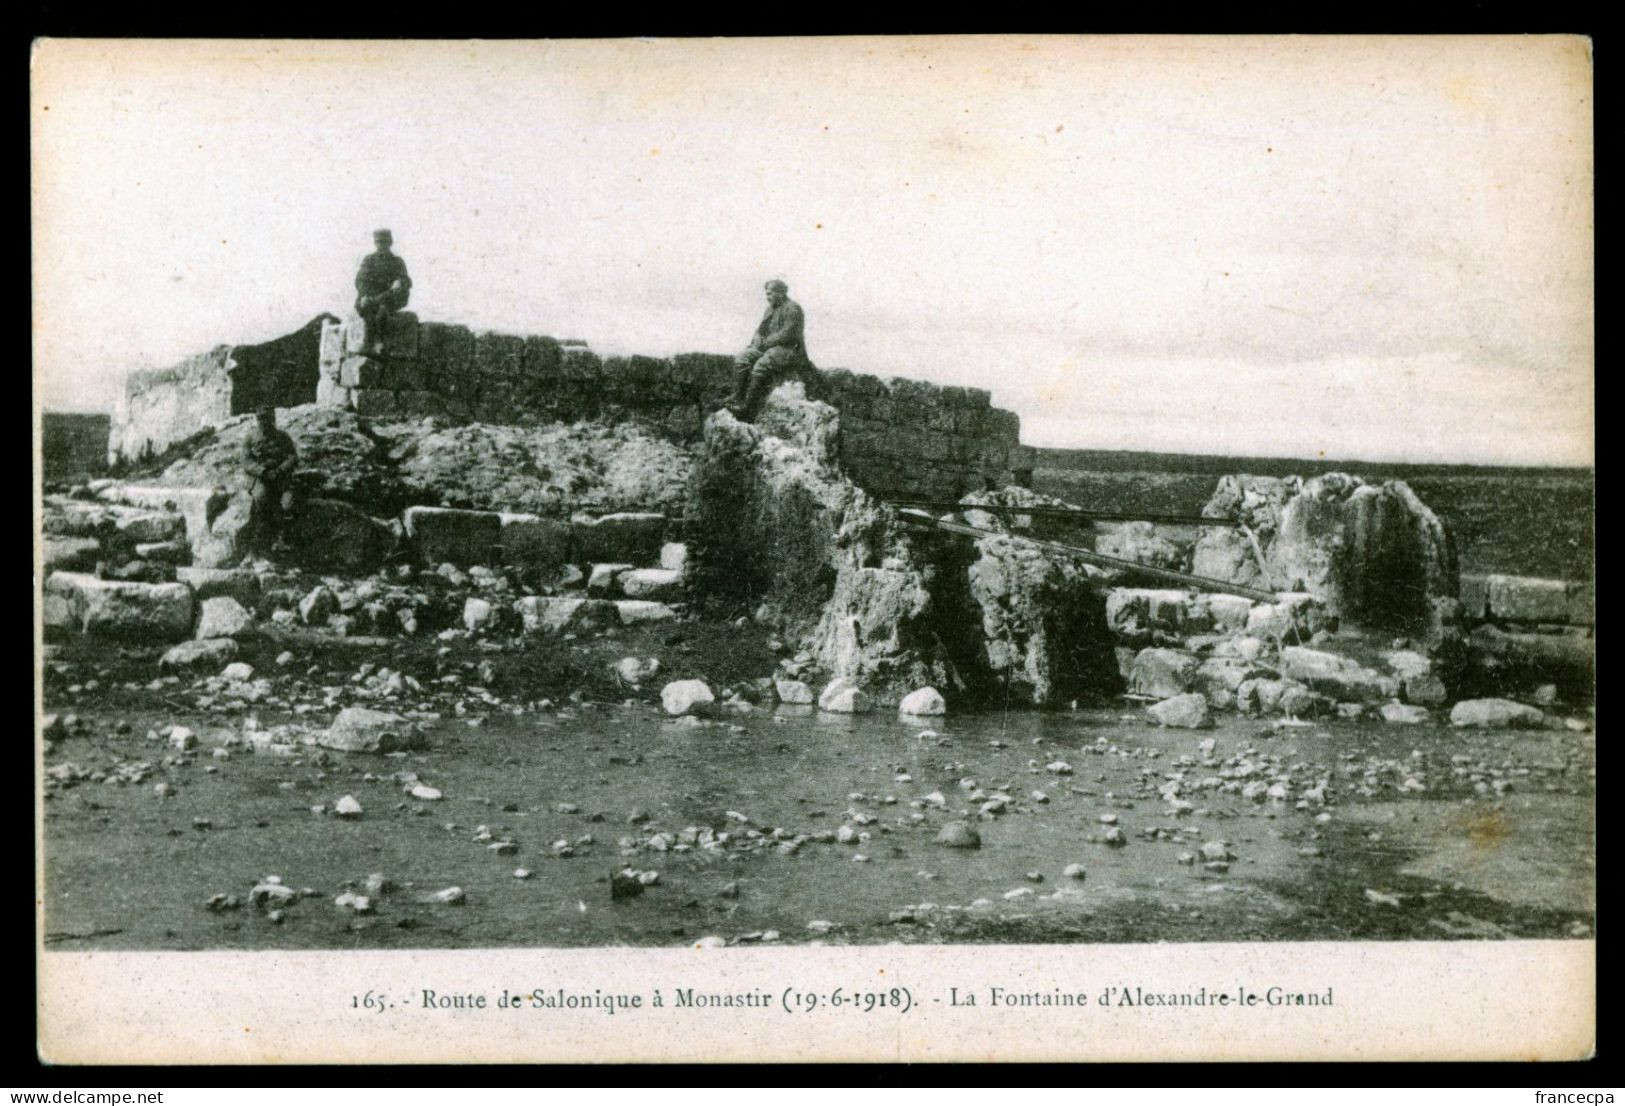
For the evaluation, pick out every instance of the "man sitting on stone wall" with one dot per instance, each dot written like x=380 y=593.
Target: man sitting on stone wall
x=382 y=288
x=269 y=457
x=776 y=351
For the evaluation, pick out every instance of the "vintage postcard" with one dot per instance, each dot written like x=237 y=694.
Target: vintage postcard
x=973 y=548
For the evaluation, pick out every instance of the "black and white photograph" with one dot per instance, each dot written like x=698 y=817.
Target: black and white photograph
x=725 y=501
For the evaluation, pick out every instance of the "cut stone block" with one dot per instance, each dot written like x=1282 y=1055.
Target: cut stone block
x=362 y=372
x=207 y=583
x=443 y=534
x=151 y=526
x=534 y=542
x=125 y=610
x=652 y=583
x=604 y=580
x=554 y=614
x=331 y=535
x=634 y=611
x=632 y=537
x=1528 y=599
x=70 y=554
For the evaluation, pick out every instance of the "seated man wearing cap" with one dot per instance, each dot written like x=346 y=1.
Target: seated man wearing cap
x=382 y=287
x=778 y=349
x=269 y=458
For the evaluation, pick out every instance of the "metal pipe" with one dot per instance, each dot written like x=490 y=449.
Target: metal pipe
x=1071 y=512
x=1201 y=583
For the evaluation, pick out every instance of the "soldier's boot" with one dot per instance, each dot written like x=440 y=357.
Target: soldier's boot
x=742 y=381
x=761 y=383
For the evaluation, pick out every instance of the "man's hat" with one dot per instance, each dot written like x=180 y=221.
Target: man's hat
x=776 y=286
x=383 y=234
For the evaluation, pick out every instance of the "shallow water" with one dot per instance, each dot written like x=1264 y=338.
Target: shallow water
x=128 y=869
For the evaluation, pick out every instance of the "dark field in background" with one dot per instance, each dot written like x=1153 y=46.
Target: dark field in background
x=1526 y=521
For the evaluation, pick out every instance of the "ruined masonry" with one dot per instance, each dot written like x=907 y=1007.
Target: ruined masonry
x=898 y=437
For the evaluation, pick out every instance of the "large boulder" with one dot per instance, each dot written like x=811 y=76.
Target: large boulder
x=125 y=610
x=844 y=696
x=1044 y=638
x=1343 y=678
x=1495 y=713
x=1219 y=678
x=1163 y=673
x=927 y=702
x=1165 y=609
x=778 y=530
x=1373 y=553
x=1141 y=543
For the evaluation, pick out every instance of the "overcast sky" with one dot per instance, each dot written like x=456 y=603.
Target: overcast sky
x=1375 y=249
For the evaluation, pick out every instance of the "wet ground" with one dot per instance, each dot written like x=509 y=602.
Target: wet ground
x=791 y=828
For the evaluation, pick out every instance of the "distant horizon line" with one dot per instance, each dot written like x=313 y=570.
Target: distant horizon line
x=1271 y=457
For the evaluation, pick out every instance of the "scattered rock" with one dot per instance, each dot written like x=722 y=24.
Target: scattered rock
x=1404 y=714
x=318 y=606
x=959 y=835
x=363 y=730
x=347 y=807
x=450 y=896
x=238 y=672
x=191 y=654
x=478 y=615
x=687 y=697
x=354 y=903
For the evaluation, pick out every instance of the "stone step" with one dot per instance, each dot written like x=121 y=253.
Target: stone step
x=120 y=609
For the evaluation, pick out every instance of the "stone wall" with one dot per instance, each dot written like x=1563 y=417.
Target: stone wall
x=162 y=406
x=73 y=445
x=898 y=438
